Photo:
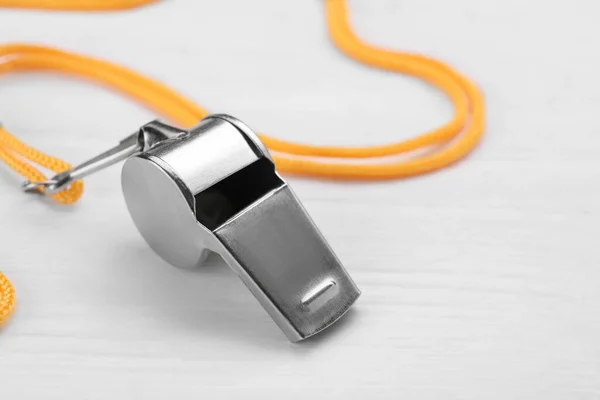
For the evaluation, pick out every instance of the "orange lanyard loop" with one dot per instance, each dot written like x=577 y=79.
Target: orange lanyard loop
x=453 y=141
x=457 y=138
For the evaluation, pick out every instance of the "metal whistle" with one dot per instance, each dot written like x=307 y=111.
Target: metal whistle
x=215 y=189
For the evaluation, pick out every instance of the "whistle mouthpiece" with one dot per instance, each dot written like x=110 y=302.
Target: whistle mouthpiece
x=216 y=189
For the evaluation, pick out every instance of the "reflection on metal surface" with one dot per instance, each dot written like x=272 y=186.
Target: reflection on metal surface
x=320 y=294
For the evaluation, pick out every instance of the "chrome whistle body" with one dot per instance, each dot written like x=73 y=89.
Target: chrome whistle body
x=215 y=188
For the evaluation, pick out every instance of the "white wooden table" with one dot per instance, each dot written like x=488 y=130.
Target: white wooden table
x=479 y=282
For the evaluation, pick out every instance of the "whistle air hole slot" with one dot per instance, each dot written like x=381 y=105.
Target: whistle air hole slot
x=223 y=200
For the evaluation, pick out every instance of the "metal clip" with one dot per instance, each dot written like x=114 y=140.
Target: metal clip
x=215 y=189
x=147 y=137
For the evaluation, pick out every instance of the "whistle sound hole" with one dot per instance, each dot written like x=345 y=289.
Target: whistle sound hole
x=217 y=204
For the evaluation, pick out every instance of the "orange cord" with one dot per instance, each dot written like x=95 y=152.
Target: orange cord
x=458 y=137
x=76 y=5
x=8 y=299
